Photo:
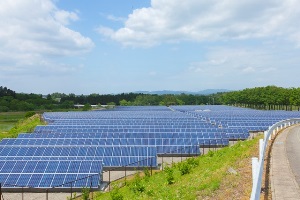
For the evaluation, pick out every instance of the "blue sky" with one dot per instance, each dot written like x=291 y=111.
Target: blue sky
x=115 y=46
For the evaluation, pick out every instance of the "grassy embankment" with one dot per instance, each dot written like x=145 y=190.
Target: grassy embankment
x=11 y=124
x=223 y=174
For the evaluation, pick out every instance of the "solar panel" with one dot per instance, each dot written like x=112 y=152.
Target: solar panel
x=40 y=152
x=48 y=174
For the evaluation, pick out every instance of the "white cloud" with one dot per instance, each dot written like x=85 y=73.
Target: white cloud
x=235 y=62
x=116 y=19
x=34 y=34
x=64 y=17
x=208 y=20
x=248 y=70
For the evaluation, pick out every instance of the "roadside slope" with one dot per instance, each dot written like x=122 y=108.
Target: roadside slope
x=224 y=174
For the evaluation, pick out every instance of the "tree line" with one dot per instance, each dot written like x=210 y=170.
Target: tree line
x=270 y=97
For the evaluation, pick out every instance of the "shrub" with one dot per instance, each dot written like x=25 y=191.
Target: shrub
x=150 y=193
x=85 y=193
x=116 y=195
x=147 y=173
x=87 y=107
x=170 y=175
x=193 y=162
x=210 y=153
x=184 y=168
x=29 y=114
x=137 y=185
x=4 y=109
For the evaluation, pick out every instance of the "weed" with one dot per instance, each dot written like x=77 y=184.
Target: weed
x=85 y=193
x=147 y=173
x=29 y=114
x=184 y=168
x=150 y=193
x=116 y=195
x=215 y=184
x=210 y=153
x=137 y=186
x=193 y=162
x=170 y=176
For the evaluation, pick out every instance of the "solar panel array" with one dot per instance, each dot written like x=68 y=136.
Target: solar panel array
x=75 y=145
x=237 y=122
x=47 y=173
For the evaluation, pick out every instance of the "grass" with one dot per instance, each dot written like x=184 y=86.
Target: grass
x=23 y=125
x=205 y=177
x=9 y=119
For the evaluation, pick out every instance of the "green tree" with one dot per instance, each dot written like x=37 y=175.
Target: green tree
x=87 y=107
x=123 y=102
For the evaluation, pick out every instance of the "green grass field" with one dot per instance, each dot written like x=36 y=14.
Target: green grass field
x=9 y=119
x=11 y=124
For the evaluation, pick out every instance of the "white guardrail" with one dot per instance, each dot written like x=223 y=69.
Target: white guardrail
x=258 y=163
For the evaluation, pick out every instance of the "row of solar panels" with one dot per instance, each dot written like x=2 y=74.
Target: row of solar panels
x=116 y=135
x=126 y=120
x=47 y=174
x=139 y=125
x=115 y=142
x=49 y=180
x=116 y=115
x=149 y=133
x=77 y=151
x=30 y=165
x=173 y=128
x=44 y=166
x=148 y=127
x=103 y=129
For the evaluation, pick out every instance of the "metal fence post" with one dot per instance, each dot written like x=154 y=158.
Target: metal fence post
x=151 y=165
x=254 y=171
x=71 y=189
x=109 y=180
x=261 y=146
x=162 y=162
x=125 y=173
x=91 y=186
x=181 y=154
x=173 y=156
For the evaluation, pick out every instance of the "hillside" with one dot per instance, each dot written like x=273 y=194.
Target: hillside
x=223 y=174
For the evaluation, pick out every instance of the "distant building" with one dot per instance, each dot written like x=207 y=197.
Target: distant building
x=81 y=106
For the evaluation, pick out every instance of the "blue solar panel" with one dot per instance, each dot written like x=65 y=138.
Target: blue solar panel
x=47 y=174
x=79 y=153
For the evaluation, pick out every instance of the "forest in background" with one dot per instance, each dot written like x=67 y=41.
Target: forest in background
x=269 y=98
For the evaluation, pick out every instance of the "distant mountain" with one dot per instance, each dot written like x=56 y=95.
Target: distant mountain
x=212 y=91
x=202 y=92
